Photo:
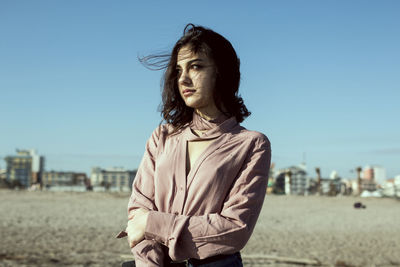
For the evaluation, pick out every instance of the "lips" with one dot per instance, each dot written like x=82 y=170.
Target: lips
x=188 y=92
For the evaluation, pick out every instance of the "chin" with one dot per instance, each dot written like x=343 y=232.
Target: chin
x=191 y=104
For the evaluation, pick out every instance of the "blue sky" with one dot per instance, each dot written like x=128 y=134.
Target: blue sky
x=320 y=77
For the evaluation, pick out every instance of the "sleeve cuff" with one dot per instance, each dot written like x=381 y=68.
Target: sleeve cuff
x=159 y=227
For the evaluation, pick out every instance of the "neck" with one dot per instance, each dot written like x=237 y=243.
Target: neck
x=208 y=114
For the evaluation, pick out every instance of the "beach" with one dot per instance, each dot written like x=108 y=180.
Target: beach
x=79 y=229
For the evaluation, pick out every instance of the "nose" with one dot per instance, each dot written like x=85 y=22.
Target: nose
x=184 y=78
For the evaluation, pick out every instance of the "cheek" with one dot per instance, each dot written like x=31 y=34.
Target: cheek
x=207 y=82
x=210 y=86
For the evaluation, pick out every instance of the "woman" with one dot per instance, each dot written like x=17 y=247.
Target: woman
x=202 y=180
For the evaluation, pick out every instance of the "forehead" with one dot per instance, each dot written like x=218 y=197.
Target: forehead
x=186 y=54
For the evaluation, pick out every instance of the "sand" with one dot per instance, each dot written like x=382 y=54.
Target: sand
x=78 y=229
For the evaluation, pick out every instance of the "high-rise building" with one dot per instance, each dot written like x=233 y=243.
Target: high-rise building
x=25 y=168
x=37 y=167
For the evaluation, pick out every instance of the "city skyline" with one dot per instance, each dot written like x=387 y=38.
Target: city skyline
x=321 y=78
x=368 y=171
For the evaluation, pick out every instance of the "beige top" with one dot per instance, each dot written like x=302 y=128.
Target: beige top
x=214 y=207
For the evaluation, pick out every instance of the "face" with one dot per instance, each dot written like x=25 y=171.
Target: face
x=196 y=80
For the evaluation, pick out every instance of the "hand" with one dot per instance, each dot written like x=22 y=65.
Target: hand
x=136 y=226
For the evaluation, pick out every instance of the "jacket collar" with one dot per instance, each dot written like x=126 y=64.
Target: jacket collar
x=214 y=128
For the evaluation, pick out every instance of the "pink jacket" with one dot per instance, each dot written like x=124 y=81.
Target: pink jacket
x=212 y=210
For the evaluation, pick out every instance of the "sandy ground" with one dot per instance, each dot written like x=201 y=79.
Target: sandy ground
x=78 y=229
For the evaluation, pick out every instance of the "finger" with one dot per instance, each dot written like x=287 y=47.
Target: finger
x=132 y=243
x=130 y=240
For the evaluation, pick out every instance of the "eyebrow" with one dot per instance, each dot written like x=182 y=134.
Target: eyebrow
x=190 y=61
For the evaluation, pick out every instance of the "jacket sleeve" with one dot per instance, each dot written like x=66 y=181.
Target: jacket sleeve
x=219 y=233
x=143 y=186
x=148 y=252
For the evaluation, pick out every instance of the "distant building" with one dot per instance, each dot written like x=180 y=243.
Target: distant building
x=334 y=175
x=3 y=183
x=332 y=186
x=3 y=174
x=368 y=173
x=37 y=167
x=292 y=180
x=374 y=173
x=56 y=178
x=391 y=187
x=119 y=178
x=24 y=169
x=368 y=185
x=379 y=174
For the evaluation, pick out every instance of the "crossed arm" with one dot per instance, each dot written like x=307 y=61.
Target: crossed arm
x=149 y=230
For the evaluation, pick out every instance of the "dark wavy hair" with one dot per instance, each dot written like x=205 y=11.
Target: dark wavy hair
x=200 y=40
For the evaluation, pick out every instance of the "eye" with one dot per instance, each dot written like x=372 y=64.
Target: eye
x=196 y=67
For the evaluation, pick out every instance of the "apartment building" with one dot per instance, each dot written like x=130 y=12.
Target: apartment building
x=24 y=169
x=112 y=177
